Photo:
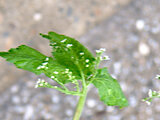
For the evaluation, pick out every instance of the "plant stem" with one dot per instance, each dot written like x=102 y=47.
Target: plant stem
x=80 y=105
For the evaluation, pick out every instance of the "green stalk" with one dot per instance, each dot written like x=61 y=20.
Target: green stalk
x=80 y=105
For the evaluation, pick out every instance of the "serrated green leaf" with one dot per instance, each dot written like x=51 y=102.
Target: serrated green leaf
x=70 y=53
x=109 y=89
x=29 y=59
x=24 y=57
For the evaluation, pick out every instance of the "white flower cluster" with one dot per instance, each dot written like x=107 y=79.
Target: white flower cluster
x=105 y=57
x=41 y=83
x=101 y=50
x=157 y=76
x=151 y=94
x=69 y=73
x=69 y=45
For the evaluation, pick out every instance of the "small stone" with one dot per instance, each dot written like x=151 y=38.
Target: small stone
x=91 y=103
x=16 y=99
x=144 y=49
x=132 y=101
x=14 y=89
x=110 y=109
x=69 y=11
x=69 y=112
x=140 y=24
x=55 y=99
x=19 y=109
x=37 y=16
x=29 y=112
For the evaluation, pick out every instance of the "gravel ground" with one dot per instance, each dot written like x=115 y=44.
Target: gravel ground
x=131 y=37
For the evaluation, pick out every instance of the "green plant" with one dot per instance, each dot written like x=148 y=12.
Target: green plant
x=152 y=94
x=71 y=63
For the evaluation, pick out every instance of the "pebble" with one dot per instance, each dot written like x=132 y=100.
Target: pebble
x=14 y=89
x=29 y=111
x=69 y=112
x=115 y=117
x=91 y=103
x=132 y=101
x=55 y=99
x=16 y=99
x=143 y=49
x=19 y=109
x=37 y=16
x=100 y=107
x=69 y=11
x=110 y=109
x=155 y=30
x=117 y=67
x=140 y=24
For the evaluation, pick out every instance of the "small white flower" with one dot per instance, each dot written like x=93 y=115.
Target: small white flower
x=81 y=53
x=45 y=63
x=36 y=86
x=63 y=40
x=73 y=77
x=150 y=93
x=101 y=58
x=41 y=84
x=55 y=72
x=69 y=45
x=46 y=67
x=38 y=81
x=55 y=87
x=47 y=59
x=43 y=81
x=52 y=77
x=102 y=49
x=157 y=76
x=148 y=103
x=42 y=66
x=98 y=51
x=46 y=83
x=87 y=60
x=106 y=58
x=54 y=43
x=87 y=65
x=70 y=72
x=39 y=67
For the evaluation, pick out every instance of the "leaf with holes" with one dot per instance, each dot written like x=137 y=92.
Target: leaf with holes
x=70 y=53
x=29 y=59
